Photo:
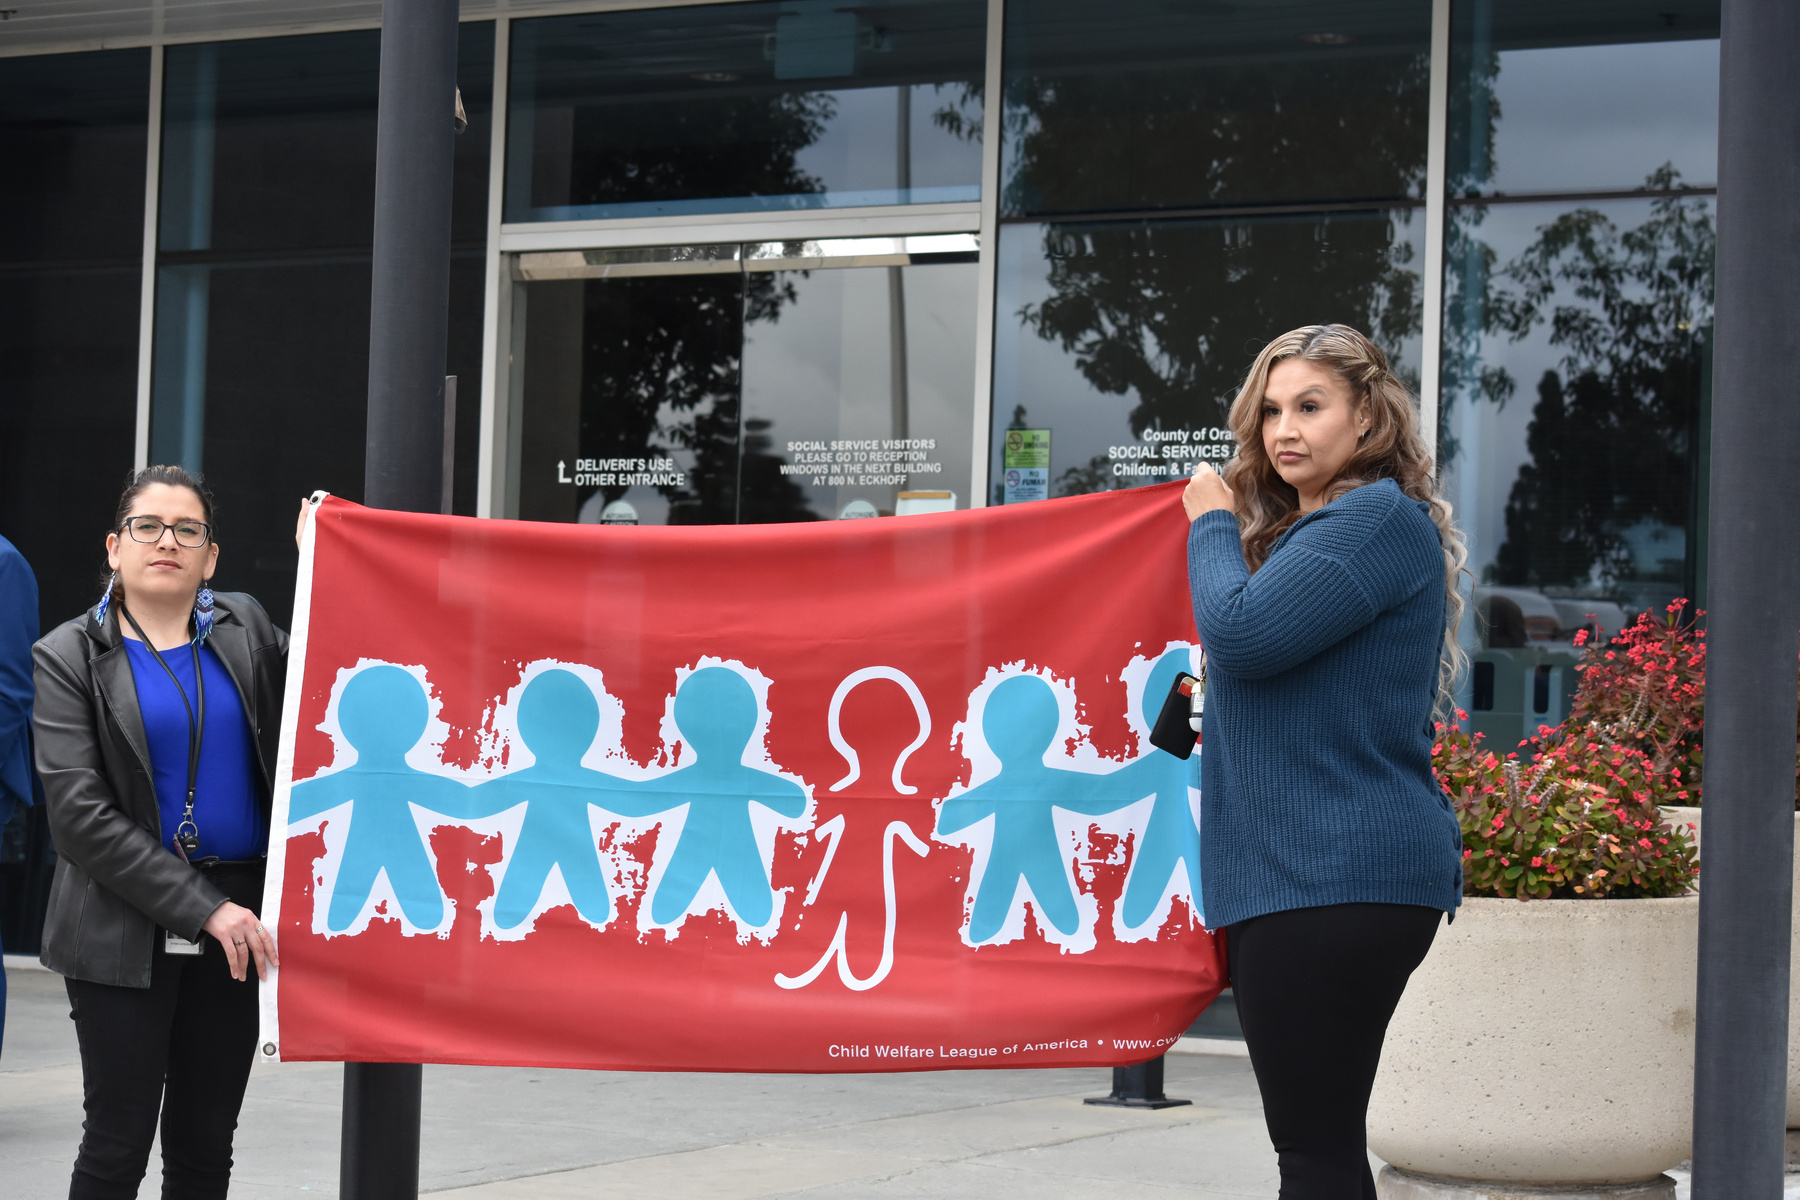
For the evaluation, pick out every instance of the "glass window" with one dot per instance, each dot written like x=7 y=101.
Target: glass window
x=1570 y=97
x=629 y=405
x=1576 y=389
x=72 y=137
x=745 y=107
x=269 y=143
x=261 y=353
x=73 y=130
x=718 y=390
x=1154 y=104
x=68 y=406
x=1575 y=377
x=1124 y=344
x=860 y=396
x=1576 y=384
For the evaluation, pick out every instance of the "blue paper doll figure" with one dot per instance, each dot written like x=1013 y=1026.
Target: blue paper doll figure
x=716 y=711
x=1019 y=723
x=1170 y=836
x=558 y=718
x=382 y=714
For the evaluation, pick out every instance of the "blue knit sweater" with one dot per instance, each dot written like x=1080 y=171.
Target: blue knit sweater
x=1316 y=781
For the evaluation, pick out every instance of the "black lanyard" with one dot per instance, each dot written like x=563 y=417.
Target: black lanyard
x=187 y=834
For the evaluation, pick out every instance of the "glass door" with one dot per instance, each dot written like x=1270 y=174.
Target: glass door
x=748 y=382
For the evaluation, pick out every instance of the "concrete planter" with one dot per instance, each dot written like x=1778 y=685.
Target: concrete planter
x=1543 y=1046
x=1691 y=816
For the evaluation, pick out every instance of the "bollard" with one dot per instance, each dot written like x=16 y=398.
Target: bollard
x=1138 y=1087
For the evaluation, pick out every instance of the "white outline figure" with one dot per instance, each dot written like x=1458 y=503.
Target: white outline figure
x=848 y=751
x=902 y=829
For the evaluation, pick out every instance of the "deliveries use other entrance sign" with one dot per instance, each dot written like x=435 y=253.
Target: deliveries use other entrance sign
x=852 y=796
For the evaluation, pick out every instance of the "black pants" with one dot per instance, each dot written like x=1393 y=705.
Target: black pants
x=183 y=1046
x=1315 y=988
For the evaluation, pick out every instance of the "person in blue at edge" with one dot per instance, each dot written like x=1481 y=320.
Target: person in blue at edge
x=156 y=723
x=1323 y=567
x=18 y=629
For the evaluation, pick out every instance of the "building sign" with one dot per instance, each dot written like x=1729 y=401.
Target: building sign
x=1025 y=461
x=1162 y=454
x=861 y=462
x=797 y=797
x=622 y=472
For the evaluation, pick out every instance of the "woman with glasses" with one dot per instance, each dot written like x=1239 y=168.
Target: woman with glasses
x=156 y=717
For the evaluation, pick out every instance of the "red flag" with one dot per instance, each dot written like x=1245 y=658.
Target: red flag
x=854 y=796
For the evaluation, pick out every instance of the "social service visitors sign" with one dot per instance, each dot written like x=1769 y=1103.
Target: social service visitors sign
x=849 y=796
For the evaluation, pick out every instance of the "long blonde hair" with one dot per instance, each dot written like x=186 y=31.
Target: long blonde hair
x=1391 y=449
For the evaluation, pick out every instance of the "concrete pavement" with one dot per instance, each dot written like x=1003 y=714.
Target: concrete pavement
x=516 y=1134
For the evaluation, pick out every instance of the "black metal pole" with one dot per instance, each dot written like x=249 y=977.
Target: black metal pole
x=409 y=301
x=409 y=312
x=1753 y=594
x=378 y=1156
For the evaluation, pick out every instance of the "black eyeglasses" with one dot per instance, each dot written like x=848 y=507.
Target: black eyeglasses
x=192 y=534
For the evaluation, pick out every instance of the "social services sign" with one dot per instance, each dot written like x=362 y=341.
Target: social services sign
x=847 y=796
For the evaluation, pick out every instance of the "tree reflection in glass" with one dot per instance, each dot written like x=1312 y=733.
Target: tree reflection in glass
x=680 y=149
x=1167 y=315
x=661 y=361
x=1605 y=502
x=744 y=107
x=1153 y=104
x=1155 y=114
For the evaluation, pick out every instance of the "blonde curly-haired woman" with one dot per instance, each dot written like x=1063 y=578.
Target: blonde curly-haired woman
x=1323 y=566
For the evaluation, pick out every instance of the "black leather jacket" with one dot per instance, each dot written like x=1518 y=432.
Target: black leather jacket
x=116 y=879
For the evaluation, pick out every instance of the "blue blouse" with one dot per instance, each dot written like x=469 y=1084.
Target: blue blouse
x=227 y=810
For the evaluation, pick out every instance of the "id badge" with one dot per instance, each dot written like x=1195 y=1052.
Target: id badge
x=176 y=944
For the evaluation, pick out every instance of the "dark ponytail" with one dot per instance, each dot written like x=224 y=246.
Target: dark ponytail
x=136 y=483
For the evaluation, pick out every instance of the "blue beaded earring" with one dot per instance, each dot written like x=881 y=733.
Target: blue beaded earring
x=203 y=613
x=106 y=600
